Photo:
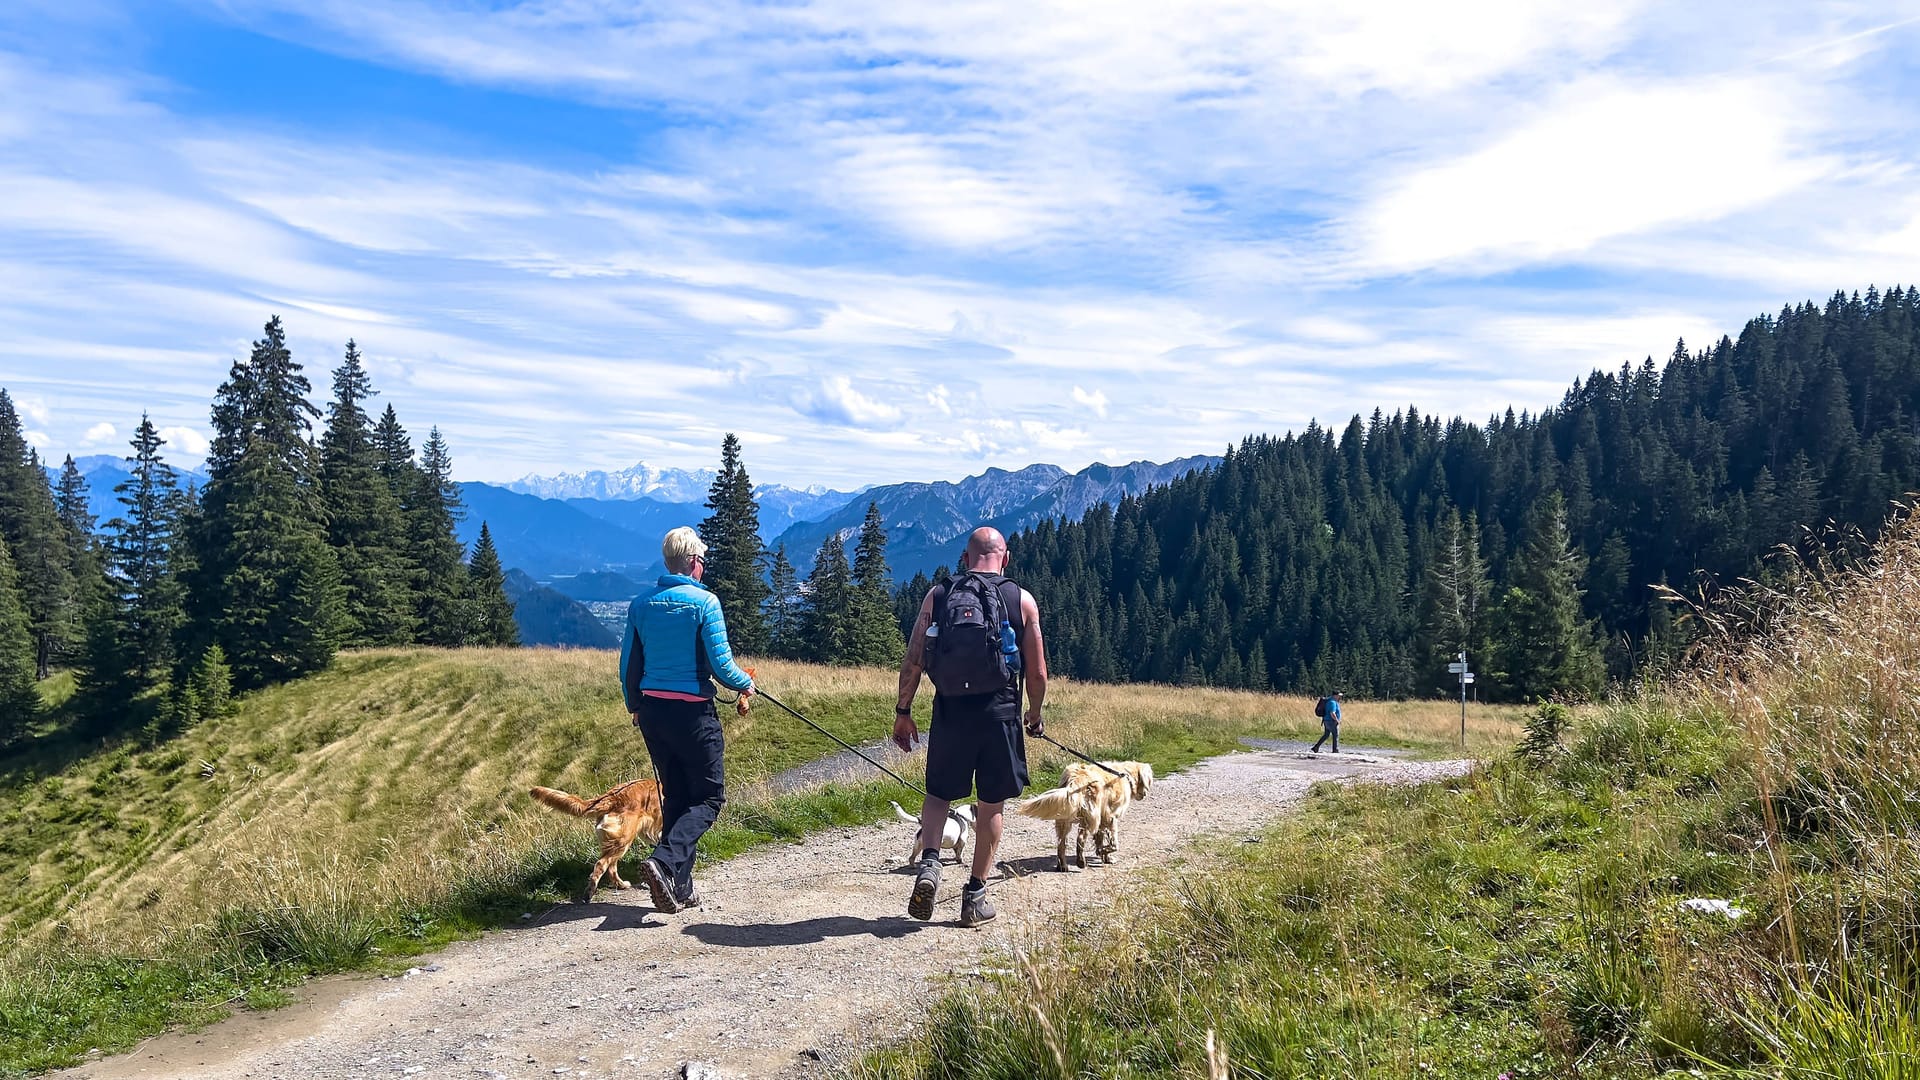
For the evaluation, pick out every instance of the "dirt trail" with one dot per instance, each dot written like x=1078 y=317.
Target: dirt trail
x=801 y=955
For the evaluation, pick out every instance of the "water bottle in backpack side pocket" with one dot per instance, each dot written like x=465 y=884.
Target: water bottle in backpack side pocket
x=1009 y=646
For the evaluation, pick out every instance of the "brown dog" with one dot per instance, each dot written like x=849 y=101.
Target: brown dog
x=624 y=814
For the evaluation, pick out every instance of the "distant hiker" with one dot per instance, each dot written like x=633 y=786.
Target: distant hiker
x=978 y=637
x=1328 y=710
x=674 y=649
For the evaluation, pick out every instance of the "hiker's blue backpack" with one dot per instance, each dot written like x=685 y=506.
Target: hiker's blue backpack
x=966 y=651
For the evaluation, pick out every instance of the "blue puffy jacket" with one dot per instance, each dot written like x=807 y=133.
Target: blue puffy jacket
x=676 y=638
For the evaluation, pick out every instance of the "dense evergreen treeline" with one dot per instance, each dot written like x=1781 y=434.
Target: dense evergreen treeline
x=1365 y=559
x=295 y=548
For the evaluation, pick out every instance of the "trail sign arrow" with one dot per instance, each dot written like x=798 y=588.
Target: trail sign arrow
x=1456 y=668
x=1466 y=677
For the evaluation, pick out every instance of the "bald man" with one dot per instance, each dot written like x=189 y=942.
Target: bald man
x=975 y=743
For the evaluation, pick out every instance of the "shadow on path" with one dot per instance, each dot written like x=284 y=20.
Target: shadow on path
x=809 y=932
x=613 y=916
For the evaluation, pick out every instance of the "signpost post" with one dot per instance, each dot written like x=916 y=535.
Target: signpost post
x=1459 y=667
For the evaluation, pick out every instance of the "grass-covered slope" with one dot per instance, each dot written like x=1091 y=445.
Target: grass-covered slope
x=1527 y=921
x=380 y=808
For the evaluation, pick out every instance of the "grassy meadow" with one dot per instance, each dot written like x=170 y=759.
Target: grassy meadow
x=1526 y=921
x=380 y=809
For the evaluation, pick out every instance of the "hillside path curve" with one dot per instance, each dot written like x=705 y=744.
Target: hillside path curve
x=802 y=955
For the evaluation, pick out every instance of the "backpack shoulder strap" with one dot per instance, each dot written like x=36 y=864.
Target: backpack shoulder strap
x=1010 y=601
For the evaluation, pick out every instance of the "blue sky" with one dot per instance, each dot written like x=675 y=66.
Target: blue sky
x=888 y=241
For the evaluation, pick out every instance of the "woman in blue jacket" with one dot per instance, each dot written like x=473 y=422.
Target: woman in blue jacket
x=674 y=650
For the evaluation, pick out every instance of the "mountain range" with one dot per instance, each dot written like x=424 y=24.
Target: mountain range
x=563 y=537
x=927 y=523
x=577 y=524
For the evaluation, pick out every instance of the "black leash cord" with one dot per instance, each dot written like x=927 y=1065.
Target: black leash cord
x=1083 y=757
x=903 y=781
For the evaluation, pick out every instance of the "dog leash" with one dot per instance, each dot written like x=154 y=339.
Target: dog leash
x=1081 y=756
x=903 y=781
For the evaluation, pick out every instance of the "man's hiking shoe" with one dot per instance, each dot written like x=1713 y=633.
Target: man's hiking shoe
x=975 y=908
x=692 y=898
x=925 y=886
x=661 y=886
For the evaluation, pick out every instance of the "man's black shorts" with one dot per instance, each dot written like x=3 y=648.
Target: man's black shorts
x=977 y=741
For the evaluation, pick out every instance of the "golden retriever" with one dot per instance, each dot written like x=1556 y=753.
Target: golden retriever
x=1068 y=807
x=627 y=812
x=1116 y=794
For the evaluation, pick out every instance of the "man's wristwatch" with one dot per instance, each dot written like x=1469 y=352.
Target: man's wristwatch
x=903 y=710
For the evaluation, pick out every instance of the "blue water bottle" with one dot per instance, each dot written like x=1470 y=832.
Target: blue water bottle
x=1009 y=646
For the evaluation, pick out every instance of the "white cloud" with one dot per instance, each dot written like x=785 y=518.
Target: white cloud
x=835 y=400
x=1602 y=160
x=33 y=409
x=39 y=440
x=186 y=441
x=1096 y=401
x=100 y=433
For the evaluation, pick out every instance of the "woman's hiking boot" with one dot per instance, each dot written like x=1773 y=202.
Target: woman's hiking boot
x=926 y=885
x=975 y=908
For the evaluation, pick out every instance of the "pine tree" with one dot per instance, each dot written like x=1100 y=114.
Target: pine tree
x=875 y=637
x=30 y=524
x=734 y=551
x=266 y=585
x=493 y=622
x=20 y=701
x=1545 y=647
x=364 y=522
x=784 y=605
x=440 y=571
x=827 y=621
x=147 y=596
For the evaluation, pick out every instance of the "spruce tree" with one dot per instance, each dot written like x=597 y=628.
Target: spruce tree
x=84 y=558
x=30 y=524
x=71 y=503
x=875 y=638
x=784 y=605
x=439 y=559
x=1454 y=597
x=364 y=522
x=1545 y=647
x=827 y=621
x=393 y=451
x=907 y=601
x=266 y=585
x=140 y=548
x=493 y=622
x=20 y=701
x=734 y=551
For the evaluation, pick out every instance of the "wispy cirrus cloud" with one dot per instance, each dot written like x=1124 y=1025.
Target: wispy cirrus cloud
x=887 y=241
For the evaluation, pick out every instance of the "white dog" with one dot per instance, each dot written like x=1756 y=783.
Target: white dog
x=955 y=835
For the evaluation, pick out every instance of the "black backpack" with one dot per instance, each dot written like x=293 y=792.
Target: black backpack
x=1320 y=708
x=965 y=655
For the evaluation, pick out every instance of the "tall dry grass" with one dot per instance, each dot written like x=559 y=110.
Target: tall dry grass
x=1819 y=669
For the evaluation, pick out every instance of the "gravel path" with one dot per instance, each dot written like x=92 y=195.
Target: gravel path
x=801 y=955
